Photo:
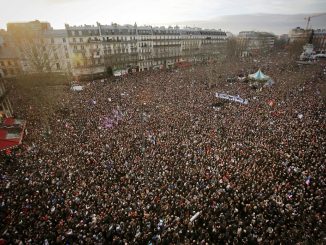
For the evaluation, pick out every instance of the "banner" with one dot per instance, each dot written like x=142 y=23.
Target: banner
x=232 y=98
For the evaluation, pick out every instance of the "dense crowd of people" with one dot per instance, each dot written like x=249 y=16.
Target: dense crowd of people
x=155 y=158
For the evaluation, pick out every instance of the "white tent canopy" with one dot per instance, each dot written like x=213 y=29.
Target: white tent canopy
x=118 y=73
x=259 y=76
x=76 y=88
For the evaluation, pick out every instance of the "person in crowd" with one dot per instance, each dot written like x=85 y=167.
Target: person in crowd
x=148 y=160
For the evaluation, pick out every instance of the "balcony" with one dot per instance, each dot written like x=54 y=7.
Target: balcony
x=166 y=45
x=79 y=51
x=94 y=41
x=119 y=41
x=166 y=57
x=145 y=51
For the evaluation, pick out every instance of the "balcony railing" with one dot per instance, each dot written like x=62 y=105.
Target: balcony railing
x=166 y=45
x=79 y=51
x=111 y=41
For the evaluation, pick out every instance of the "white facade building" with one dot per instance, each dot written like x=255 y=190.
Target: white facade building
x=97 y=50
x=256 y=42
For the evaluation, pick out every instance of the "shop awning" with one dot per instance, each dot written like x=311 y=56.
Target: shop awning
x=11 y=133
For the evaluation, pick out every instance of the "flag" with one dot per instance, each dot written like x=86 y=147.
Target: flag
x=308 y=180
x=108 y=122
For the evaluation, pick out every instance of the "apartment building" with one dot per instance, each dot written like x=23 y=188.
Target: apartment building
x=57 y=47
x=319 y=40
x=253 y=42
x=5 y=104
x=100 y=49
x=97 y=49
x=39 y=48
x=315 y=36
x=299 y=34
x=9 y=62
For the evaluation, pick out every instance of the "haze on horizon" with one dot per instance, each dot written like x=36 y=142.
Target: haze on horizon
x=201 y=13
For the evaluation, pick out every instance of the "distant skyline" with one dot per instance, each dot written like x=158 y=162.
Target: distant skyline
x=158 y=12
x=275 y=23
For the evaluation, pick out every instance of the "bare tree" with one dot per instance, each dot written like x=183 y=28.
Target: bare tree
x=295 y=48
x=91 y=65
x=280 y=44
x=38 y=54
x=235 y=47
x=264 y=42
x=108 y=59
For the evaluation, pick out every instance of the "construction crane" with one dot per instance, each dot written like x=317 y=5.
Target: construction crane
x=308 y=52
x=308 y=18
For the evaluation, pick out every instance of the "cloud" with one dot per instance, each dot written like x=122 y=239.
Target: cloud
x=74 y=12
x=276 y=23
x=64 y=1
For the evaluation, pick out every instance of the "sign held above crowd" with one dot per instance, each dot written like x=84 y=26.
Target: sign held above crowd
x=231 y=98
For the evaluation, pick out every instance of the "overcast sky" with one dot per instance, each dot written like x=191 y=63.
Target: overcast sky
x=77 y=12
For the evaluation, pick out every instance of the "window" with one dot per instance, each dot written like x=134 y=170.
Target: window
x=1 y=63
x=58 y=66
x=52 y=41
x=67 y=55
x=74 y=40
x=63 y=40
x=81 y=40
